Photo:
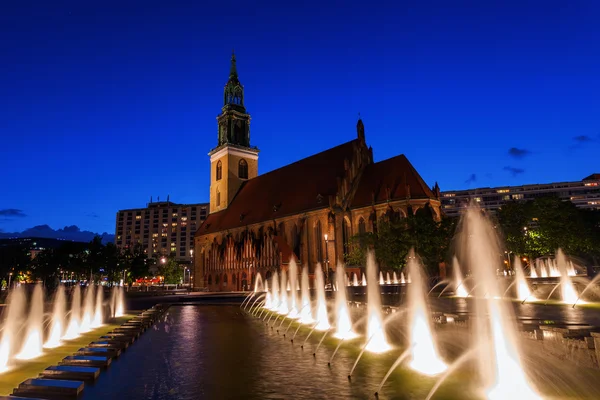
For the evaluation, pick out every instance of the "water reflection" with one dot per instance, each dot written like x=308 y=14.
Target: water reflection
x=218 y=352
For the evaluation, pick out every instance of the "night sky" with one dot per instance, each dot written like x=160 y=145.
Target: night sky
x=104 y=104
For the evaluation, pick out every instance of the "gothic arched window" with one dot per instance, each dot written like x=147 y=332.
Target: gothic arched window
x=319 y=242
x=345 y=237
x=218 y=198
x=243 y=169
x=219 y=170
x=362 y=229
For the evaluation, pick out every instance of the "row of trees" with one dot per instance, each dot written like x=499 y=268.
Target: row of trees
x=84 y=261
x=531 y=229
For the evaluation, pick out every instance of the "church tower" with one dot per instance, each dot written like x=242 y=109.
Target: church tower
x=233 y=161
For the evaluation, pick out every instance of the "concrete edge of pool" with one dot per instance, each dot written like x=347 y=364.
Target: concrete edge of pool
x=67 y=379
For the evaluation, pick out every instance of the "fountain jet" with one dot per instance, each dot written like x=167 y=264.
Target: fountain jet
x=306 y=311
x=293 y=269
x=499 y=361
x=523 y=291
x=58 y=319
x=275 y=301
x=12 y=325
x=354 y=279
x=258 y=283
x=32 y=347
x=120 y=304
x=322 y=317
x=343 y=328
x=460 y=290
x=395 y=278
x=424 y=354
x=402 y=279
x=74 y=322
x=568 y=292
x=98 y=318
x=364 y=279
x=381 y=281
x=377 y=341
x=283 y=306
x=88 y=310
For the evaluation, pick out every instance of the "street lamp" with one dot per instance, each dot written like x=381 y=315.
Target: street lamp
x=192 y=262
x=326 y=258
x=9 y=279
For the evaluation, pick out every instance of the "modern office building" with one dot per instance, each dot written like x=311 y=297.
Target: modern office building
x=162 y=228
x=584 y=194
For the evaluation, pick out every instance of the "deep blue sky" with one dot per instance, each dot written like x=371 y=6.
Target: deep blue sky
x=104 y=104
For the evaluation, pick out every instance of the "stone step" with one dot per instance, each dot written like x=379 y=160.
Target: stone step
x=49 y=388
x=87 y=361
x=69 y=372
x=98 y=351
x=108 y=342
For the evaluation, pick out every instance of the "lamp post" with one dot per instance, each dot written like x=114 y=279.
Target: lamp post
x=192 y=261
x=326 y=258
x=9 y=279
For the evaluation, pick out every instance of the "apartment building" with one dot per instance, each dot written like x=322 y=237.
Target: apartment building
x=584 y=194
x=162 y=228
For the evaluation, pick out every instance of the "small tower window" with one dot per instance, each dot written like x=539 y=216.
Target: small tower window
x=243 y=169
x=218 y=198
x=219 y=170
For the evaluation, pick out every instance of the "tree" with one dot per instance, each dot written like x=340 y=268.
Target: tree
x=170 y=270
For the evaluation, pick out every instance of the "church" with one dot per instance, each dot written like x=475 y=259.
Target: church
x=307 y=211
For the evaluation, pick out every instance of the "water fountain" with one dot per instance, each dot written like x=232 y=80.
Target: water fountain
x=343 y=326
x=376 y=337
x=388 y=279
x=88 y=310
x=364 y=280
x=120 y=302
x=354 y=279
x=258 y=284
x=58 y=319
x=395 y=278
x=269 y=297
x=424 y=353
x=12 y=325
x=381 y=281
x=532 y=270
x=98 y=318
x=73 y=328
x=523 y=291
x=32 y=346
x=321 y=315
x=498 y=356
x=275 y=300
x=283 y=295
x=402 y=279
x=461 y=290
x=306 y=310
x=568 y=292
x=293 y=296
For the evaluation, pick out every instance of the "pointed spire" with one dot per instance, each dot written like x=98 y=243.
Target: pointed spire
x=233 y=70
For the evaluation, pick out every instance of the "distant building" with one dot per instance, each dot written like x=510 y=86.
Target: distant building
x=307 y=210
x=584 y=194
x=34 y=245
x=162 y=228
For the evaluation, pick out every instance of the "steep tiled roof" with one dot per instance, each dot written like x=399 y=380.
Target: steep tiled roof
x=392 y=174
x=592 y=177
x=295 y=188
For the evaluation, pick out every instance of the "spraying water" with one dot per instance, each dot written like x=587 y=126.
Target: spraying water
x=388 y=279
x=98 y=318
x=32 y=347
x=343 y=328
x=275 y=292
x=381 y=281
x=306 y=310
x=364 y=279
x=258 y=284
x=283 y=306
x=395 y=278
x=532 y=270
x=569 y=295
x=499 y=361
x=354 y=279
x=293 y=269
x=424 y=353
x=377 y=341
x=322 y=317
x=402 y=280
x=523 y=291
x=88 y=310
x=58 y=319
x=268 y=298
x=14 y=320
x=120 y=302
x=461 y=290
x=74 y=323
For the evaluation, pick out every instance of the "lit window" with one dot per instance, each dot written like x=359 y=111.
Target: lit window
x=155 y=235
x=591 y=184
x=219 y=172
x=138 y=217
x=164 y=235
x=174 y=215
x=478 y=199
x=503 y=190
x=174 y=224
x=449 y=194
x=184 y=218
x=165 y=225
